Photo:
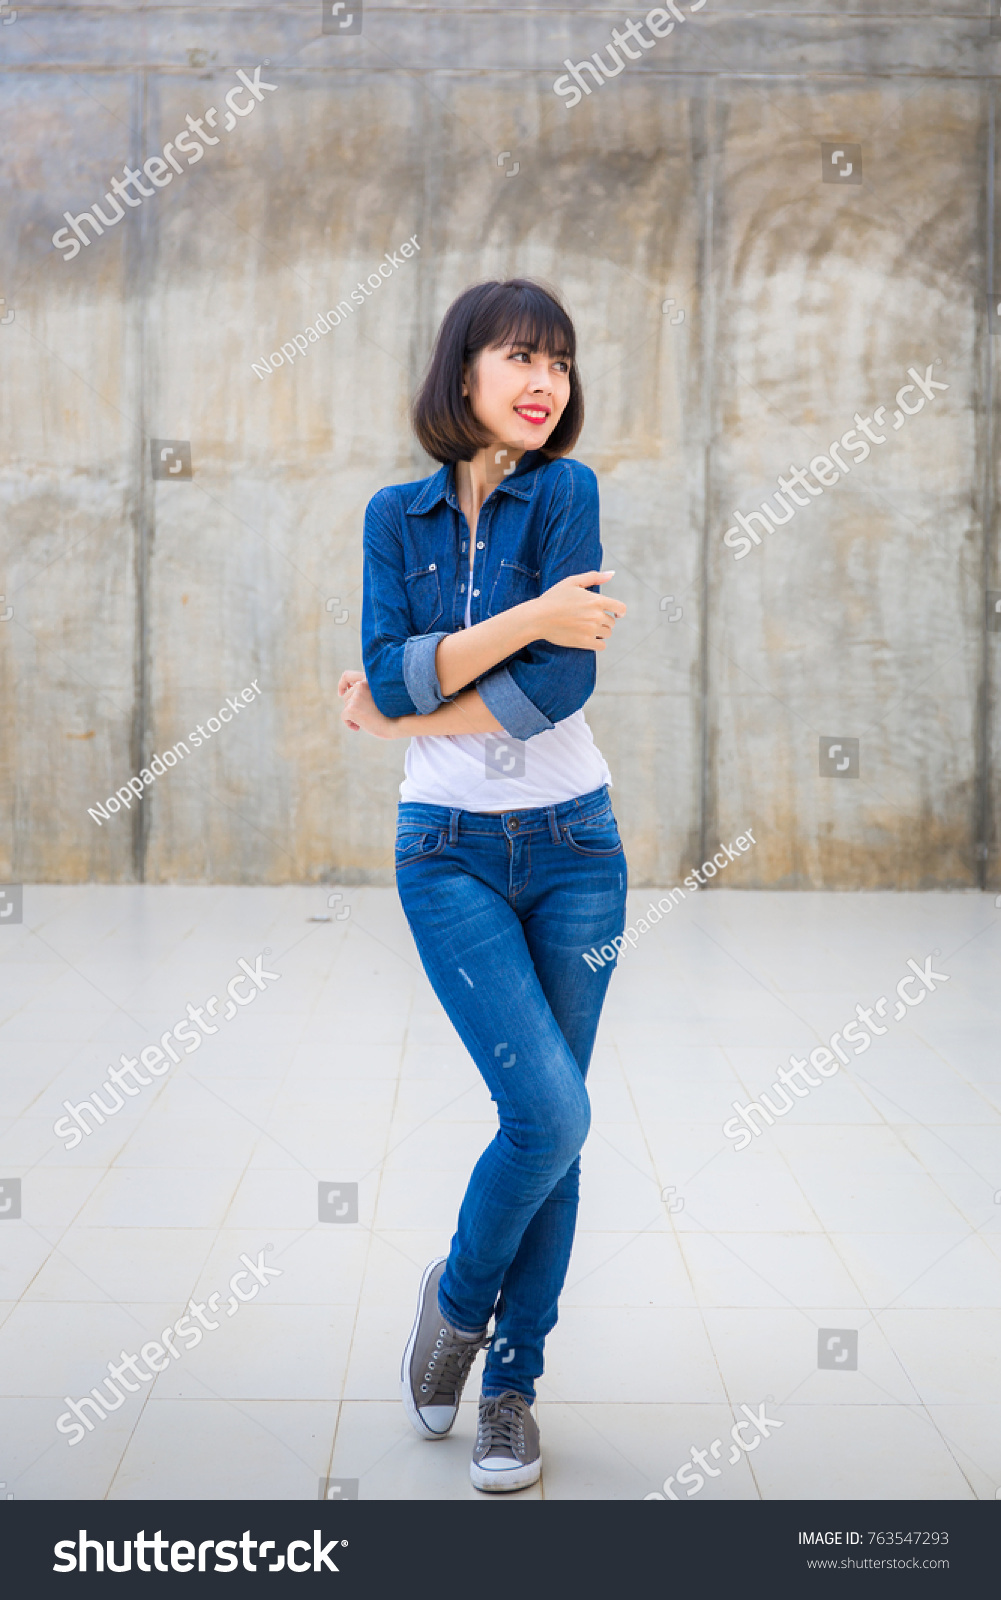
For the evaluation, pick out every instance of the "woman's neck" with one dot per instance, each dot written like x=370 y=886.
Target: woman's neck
x=475 y=479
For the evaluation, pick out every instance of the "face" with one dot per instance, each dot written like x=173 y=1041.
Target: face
x=519 y=394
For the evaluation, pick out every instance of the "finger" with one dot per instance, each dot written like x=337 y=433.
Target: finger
x=587 y=579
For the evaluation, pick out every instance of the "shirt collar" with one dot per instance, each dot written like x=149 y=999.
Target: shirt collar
x=441 y=484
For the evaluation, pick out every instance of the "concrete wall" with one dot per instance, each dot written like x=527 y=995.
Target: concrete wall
x=693 y=176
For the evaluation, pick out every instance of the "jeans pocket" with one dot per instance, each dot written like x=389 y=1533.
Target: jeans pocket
x=418 y=844
x=597 y=837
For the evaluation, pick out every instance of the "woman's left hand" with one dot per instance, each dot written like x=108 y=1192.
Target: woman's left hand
x=361 y=712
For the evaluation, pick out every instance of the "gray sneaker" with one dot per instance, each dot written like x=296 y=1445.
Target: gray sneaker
x=436 y=1361
x=506 y=1454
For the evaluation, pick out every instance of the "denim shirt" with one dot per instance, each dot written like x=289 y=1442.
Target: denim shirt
x=537 y=526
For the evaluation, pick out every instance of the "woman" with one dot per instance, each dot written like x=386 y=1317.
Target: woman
x=480 y=624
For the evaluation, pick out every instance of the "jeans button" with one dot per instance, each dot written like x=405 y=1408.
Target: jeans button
x=513 y=824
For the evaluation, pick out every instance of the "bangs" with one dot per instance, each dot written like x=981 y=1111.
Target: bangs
x=521 y=313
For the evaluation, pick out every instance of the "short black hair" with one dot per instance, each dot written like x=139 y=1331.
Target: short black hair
x=485 y=317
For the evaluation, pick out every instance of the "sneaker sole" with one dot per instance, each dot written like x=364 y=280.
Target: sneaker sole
x=505 y=1480
x=409 y=1404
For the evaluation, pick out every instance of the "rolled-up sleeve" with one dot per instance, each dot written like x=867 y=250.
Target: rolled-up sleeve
x=420 y=675
x=546 y=683
x=516 y=713
x=399 y=666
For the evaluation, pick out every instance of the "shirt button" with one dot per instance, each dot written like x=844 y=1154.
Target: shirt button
x=432 y=567
x=479 y=545
x=462 y=588
x=463 y=549
x=475 y=592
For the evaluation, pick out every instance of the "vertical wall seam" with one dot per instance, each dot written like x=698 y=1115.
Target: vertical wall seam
x=982 y=805
x=708 y=344
x=135 y=291
x=422 y=336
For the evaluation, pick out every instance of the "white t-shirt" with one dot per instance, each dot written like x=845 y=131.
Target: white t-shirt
x=491 y=772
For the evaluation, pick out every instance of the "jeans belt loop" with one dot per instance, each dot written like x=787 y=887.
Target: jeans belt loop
x=554 y=827
x=453 y=826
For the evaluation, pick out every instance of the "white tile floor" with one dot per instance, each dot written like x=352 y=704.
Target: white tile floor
x=874 y=1206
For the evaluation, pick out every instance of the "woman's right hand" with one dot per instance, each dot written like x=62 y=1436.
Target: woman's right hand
x=569 y=614
x=348 y=679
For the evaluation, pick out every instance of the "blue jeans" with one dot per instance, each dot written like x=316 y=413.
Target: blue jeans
x=502 y=909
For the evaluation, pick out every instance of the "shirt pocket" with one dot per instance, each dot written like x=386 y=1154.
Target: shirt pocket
x=423 y=596
x=513 y=584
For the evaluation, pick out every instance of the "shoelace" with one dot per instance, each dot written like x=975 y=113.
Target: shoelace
x=456 y=1357
x=501 y=1424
